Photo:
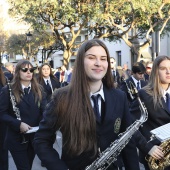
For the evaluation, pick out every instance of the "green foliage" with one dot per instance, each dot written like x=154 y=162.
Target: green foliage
x=18 y=43
x=15 y=43
x=113 y=19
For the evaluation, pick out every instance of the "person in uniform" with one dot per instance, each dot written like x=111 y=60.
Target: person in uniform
x=48 y=80
x=89 y=113
x=21 y=107
x=3 y=151
x=155 y=96
x=136 y=79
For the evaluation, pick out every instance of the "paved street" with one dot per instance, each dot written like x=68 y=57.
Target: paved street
x=37 y=163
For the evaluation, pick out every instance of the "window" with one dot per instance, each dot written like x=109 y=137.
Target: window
x=78 y=40
x=119 y=58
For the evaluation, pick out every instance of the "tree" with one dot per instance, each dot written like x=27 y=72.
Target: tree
x=129 y=20
x=17 y=43
x=3 y=33
x=132 y=20
x=64 y=18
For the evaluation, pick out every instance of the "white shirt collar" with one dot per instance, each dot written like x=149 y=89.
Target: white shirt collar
x=136 y=81
x=164 y=92
x=45 y=79
x=25 y=86
x=101 y=92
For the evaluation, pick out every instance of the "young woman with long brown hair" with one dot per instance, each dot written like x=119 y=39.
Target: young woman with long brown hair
x=47 y=80
x=71 y=112
x=21 y=107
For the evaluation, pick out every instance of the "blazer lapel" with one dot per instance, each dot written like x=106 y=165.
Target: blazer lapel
x=130 y=80
x=28 y=98
x=165 y=107
x=110 y=100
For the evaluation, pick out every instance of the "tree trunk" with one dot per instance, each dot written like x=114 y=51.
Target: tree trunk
x=67 y=55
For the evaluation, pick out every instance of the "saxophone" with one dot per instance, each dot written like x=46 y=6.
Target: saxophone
x=109 y=155
x=161 y=164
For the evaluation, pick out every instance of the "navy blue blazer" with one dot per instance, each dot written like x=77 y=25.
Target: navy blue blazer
x=31 y=113
x=156 y=116
x=117 y=118
x=55 y=85
x=124 y=87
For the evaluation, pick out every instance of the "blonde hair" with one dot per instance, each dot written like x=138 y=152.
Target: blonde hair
x=153 y=88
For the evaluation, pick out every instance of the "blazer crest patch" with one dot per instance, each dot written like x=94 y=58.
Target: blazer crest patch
x=117 y=125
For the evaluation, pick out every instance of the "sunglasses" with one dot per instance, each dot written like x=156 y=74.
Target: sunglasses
x=26 y=69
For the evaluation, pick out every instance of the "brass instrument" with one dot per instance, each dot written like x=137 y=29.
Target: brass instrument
x=129 y=90
x=108 y=156
x=15 y=109
x=161 y=164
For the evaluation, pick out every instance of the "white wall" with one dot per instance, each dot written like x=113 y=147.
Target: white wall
x=118 y=46
x=165 y=46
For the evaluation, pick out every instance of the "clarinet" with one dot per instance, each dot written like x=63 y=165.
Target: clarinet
x=15 y=109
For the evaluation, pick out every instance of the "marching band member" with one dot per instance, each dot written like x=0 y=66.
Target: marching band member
x=21 y=106
x=86 y=132
x=136 y=79
x=3 y=151
x=155 y=98
x=48 y=80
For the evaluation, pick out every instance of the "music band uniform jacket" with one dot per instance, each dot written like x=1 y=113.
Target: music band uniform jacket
x=31 y=113
x=156 y=117
x=124 y=87
x=115 y=120
x=55 y=85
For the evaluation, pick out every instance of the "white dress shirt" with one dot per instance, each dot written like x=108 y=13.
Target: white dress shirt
x=99 y=99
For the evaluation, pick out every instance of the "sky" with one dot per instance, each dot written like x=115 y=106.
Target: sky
x=11 y=24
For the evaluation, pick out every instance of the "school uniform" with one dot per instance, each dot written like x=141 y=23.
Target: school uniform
x=116 y=77
x=53 y=83
x=3 y=151
x=132 y=80
x=156 y=118
x=31 y=114
x=115 y=119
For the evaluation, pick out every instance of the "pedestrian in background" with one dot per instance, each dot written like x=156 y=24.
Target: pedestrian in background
x=115 y=73
x=8 y=70
x=149 y=65
x=86 y=129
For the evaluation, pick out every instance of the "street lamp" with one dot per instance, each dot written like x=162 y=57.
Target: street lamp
x=29 y=38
